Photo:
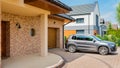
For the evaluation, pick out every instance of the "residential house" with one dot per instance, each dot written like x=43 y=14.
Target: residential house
x=31 y=26
x=87 y=20
x=114 y=25
x=103 y=27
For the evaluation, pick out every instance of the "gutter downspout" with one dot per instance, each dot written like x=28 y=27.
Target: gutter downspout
x=88 y=24
x=63 y=33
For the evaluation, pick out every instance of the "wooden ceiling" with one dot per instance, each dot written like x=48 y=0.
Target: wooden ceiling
x=56 y=17
x=44 y=4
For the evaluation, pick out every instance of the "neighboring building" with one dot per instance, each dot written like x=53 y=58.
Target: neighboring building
x=87 y=20
x=114 y=26
x=103 y=27
x=27 y=27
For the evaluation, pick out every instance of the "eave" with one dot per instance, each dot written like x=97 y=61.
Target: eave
x=54 y=6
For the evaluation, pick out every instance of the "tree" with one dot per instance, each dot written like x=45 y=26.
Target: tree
x=109 y=26
x=118 y=13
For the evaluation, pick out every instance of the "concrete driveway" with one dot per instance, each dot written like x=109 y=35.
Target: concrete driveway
x=33 y=61
x=88 y=60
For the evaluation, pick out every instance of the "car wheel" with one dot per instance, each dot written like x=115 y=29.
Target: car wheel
x=72 y=48
x=103 y=50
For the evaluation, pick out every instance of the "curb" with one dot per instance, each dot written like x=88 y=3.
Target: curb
x=57 y=65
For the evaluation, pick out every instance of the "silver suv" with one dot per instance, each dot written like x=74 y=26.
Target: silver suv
x=89 y=43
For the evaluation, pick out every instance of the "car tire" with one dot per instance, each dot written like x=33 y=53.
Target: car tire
x=103 y=50
x=72 y=48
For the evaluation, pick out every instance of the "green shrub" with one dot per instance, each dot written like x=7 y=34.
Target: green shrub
x=99 y=37
x=105 y=37
x=114 y=32
x=65 y=38
x=109 y=37
x=118 y=42
x=113 y=38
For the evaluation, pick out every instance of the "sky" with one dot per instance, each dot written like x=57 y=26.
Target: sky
x=107 y=7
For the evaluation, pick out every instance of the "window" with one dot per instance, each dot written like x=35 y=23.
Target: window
x=80 y=31
x=80 y=20
x=88 y=38
x=104 y=32
x=81 y=37
x=74 y=37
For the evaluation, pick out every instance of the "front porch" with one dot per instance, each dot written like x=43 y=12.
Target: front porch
x=33 y=61
x=24 y=32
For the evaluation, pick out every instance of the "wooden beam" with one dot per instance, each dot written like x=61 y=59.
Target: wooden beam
x=27 y=1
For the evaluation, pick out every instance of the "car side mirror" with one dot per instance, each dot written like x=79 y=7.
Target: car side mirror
x=94 y=41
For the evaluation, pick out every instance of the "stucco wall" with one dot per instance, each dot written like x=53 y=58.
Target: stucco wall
x=88 y=19
x=58 y=24
x=67 y=33
x=21 y=42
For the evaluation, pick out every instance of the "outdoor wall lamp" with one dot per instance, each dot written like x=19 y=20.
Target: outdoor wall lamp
x=32 y=32
x=18 y=26
x=54 y=22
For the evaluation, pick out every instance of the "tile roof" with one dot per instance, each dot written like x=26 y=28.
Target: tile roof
x=82 y=9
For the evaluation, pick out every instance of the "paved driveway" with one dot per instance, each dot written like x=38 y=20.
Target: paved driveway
x=89 y=60
x=67 y=56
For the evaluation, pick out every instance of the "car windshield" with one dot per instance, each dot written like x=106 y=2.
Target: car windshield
x=96 y=38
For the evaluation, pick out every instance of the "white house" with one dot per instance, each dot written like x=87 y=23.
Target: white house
x=103 y=27
x=87 y=19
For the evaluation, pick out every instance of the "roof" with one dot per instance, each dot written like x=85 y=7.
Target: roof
x=65 y=16
x=59 y=3
x=82 y=9
x=54 y=6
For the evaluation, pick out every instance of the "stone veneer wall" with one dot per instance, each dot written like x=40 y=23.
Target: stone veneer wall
x=21 y=42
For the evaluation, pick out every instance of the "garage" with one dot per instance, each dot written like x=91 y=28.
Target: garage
x=52 y=37
x=55 y=30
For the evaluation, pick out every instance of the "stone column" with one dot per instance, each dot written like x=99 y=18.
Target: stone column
x=44 y=34
x=61 y=38
x=21 y=2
